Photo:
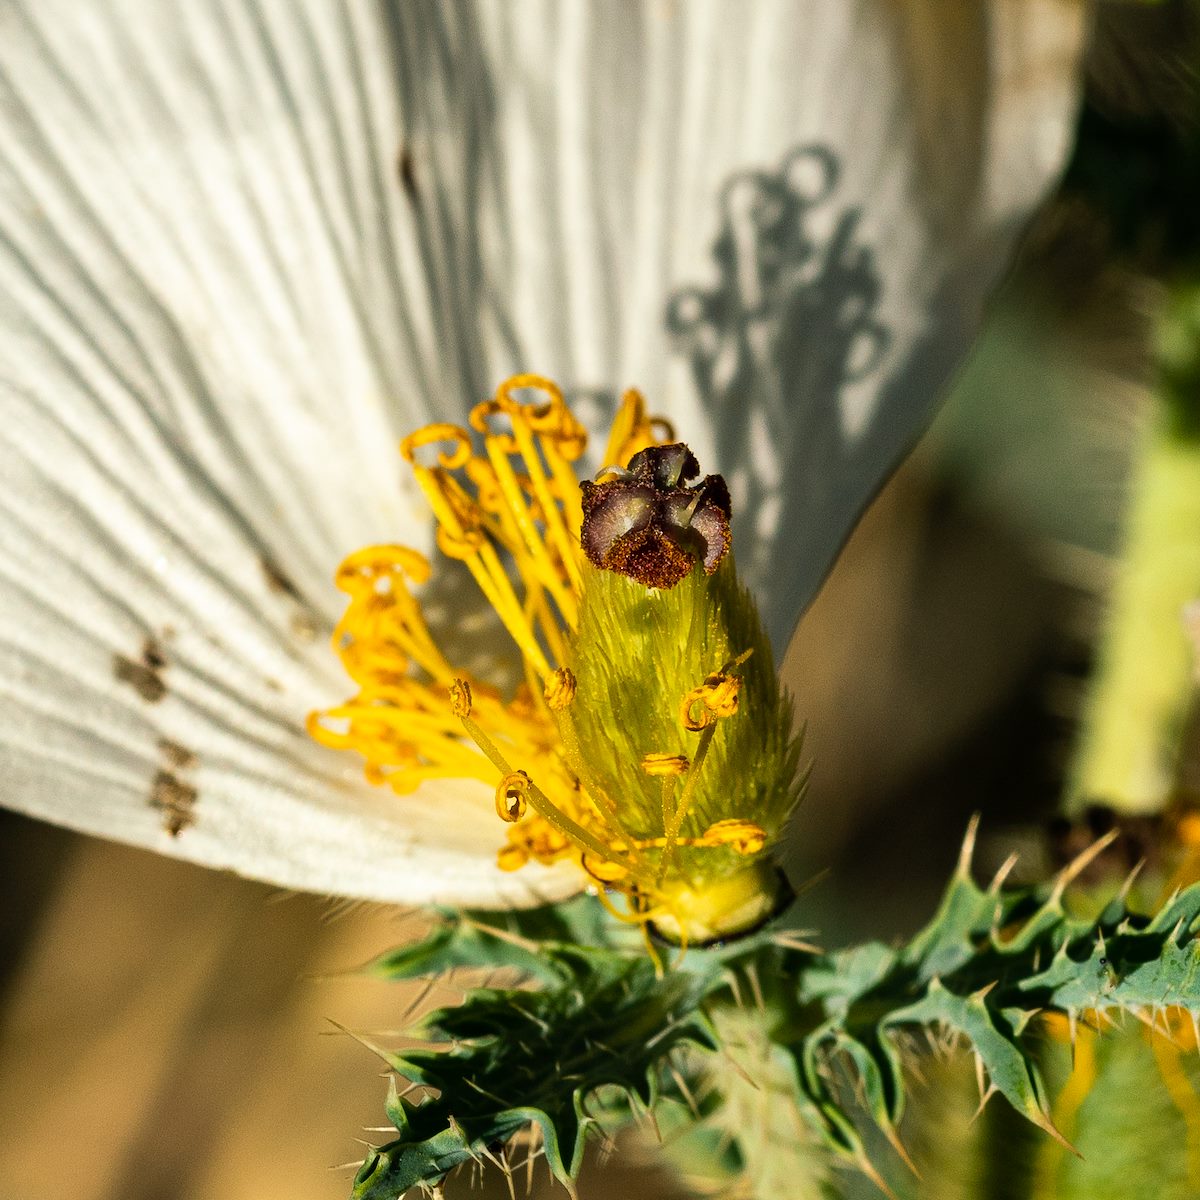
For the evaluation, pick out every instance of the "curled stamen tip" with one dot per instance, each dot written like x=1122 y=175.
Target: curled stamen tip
x=665 y=764
x=460 y=698
x=745 y=837
x=722 y=693
x=462 y=545
x=716 y=697
x=560 y=690
x=511 y=796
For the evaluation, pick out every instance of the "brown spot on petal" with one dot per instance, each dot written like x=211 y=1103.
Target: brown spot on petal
x=303 y=623
x=177 y=757
x=153 y=654
x=175 y=799
x=406 y=169
x=143 y=676
x=277 y=579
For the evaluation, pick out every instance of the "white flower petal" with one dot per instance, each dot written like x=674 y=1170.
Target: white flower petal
x=207 y=274
x=778 y=218
x=244 y=247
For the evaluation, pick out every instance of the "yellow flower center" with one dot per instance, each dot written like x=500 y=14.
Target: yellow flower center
x=511 y=513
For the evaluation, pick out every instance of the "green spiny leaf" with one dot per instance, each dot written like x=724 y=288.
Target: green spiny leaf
x=515 y=1058
x=497 y=939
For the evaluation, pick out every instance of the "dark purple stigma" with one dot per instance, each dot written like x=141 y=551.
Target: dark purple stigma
x=651 y=524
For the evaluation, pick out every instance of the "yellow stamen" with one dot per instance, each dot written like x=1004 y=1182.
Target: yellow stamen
x=743 y=836
x=665 y=764
x=633 y=430
x=716 y=697
x=460 y=698
x=508 y=504
x=560 y=691
x=512 y=796
x=685 y=801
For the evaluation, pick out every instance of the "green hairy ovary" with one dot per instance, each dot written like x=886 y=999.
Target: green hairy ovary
x=637 y=653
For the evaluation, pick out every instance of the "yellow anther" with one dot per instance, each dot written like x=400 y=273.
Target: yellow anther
x=533 y=839
x=743 y=836
x=461 y=546
x=602 y=871
x=633 y=430
x=512 y=796
x=716 y=697
x=460 y=698
x=545 y=416
x=560 y=689
x=665 y=764
x=511 y=857
x=360 y=572
x=456 y=435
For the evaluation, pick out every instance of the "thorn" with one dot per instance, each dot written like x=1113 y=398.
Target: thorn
x=756 y=986
x=503 y=935
x=1073 y=1032
x=889 y=1132
x=868 y=1169
x=983 y=991
x=1127 y=886
x=1141 y=1015
x=456 y=1128
x=1080 y=863
x=1042 y=1121
x=652 y=1119
x=684 y=1090
x=739 y=1069
x=968 y=847
x=1002 y=874
x=387 y=1055
x=991 y=1091
x=794 y=940
x=1157 y=1012
x=735 y=988
x=421 y=997
x=981 y=1080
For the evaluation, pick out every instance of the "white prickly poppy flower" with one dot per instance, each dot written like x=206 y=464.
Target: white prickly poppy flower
x=245 y=248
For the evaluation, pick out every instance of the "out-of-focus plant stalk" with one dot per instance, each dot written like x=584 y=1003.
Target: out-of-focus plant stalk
x=1136 y=718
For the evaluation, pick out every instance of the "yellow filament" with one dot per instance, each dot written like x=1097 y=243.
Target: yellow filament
x=632 y=430
x=487 y=570
x=545 y=808
x=601 y=802
x=685 y=802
